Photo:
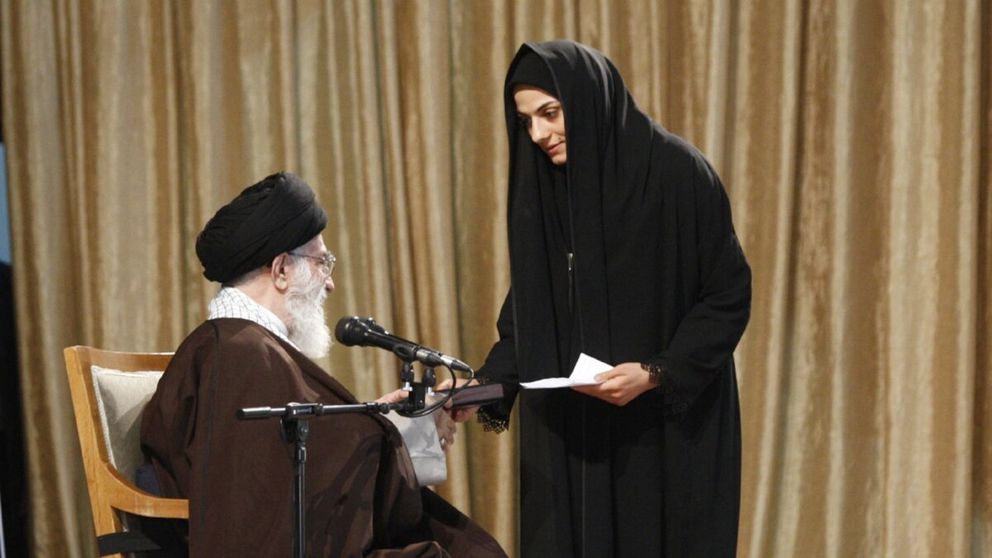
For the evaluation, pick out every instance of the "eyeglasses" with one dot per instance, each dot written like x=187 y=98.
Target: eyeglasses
x=326 y=261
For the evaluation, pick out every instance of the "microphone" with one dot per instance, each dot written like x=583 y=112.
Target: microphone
x=352 y=330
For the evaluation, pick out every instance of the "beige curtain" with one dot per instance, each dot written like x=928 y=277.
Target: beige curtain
x=854 y=137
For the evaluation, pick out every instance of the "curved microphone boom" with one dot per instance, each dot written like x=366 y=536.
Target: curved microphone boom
x=352 y=330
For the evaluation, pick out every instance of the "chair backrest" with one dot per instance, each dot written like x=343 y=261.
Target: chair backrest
x=121 y=396
x=109 y=390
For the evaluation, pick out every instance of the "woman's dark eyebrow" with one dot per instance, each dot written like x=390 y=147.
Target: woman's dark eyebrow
x=538 y=109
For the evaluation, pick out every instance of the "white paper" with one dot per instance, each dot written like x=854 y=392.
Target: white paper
x=584 y=374
x=549 y=383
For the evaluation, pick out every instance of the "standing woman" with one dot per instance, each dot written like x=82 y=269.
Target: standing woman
x=621 y=247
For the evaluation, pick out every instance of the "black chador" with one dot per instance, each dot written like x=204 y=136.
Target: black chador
x=627 y=253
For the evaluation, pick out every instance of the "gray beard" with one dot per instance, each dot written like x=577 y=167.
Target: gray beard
x=307 y=325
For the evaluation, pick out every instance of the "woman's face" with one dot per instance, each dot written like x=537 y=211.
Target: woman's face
x=541 y=115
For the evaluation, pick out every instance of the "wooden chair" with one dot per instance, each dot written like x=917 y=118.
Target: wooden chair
x=112 y=490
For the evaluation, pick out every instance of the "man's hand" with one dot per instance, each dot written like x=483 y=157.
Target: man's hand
x=446 y=429
x=620 y=385
x=465 y=413
x=394 y=397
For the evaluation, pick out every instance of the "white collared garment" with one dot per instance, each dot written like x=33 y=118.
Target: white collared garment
x=231 y=302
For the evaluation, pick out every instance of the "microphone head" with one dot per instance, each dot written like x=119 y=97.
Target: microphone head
x=350 y=331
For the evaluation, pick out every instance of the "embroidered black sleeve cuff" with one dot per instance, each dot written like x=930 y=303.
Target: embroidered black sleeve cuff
x=656 y=374
x=490 y=416
x=491 y=422
x=674 y=405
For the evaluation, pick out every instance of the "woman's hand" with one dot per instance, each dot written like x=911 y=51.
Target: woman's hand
x=465 y=413
x=620 y=385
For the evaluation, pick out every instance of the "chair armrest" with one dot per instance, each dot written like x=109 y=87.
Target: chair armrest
x=125 y=497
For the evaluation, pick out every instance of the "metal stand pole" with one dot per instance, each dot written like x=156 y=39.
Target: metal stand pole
x=296 y=429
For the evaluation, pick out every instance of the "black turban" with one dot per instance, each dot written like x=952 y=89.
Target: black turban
x=276 y=215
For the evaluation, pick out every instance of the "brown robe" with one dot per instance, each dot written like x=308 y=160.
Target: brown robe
x=362 y=496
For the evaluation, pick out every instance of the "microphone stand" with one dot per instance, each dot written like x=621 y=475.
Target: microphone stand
x=294 y=419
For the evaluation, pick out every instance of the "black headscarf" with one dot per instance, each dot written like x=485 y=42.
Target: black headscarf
x=530 y=69
x=276 y=215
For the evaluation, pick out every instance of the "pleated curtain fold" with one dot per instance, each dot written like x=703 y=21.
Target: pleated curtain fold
x=854 y=137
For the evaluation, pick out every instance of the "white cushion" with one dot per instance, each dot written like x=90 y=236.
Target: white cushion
x=120 y=398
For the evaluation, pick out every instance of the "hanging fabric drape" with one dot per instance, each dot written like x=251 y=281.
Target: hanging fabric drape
x=853 y=138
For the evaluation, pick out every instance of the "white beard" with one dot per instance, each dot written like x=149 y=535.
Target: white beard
x=307 y=325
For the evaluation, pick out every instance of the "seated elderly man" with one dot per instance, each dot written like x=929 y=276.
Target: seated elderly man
x=362 y=497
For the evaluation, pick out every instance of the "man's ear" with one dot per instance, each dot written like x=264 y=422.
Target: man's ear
x=279 y=271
